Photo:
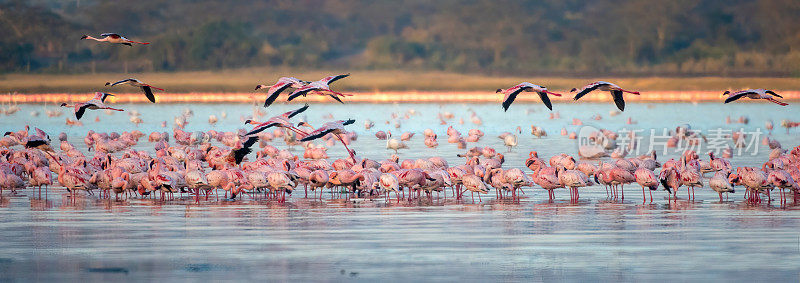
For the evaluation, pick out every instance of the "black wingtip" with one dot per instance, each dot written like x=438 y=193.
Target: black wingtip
x=239 y=154
x=573 y=89
x=348 y=122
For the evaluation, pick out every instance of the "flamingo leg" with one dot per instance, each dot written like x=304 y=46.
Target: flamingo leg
x=345 y=147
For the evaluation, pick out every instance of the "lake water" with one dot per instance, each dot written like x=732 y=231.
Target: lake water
x=54 y=238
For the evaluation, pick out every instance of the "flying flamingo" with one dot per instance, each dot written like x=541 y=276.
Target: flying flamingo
x=282 y=84
x=755 y=94
x=616 y=92
x=278 y=121
x=322 y=87
x=512 y=92
x=146 y=88
x=114 y=38
x=336 y=128
x=98 y=102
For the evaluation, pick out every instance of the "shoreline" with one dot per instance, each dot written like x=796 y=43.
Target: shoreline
x=375 y=97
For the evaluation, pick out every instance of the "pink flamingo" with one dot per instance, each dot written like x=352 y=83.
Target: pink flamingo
x=782 y=180
x=646 y=178
x=670 y=179
x=389 y=183
x=94 y=104
x=720 y=183
x=760 y=93
x=336 y=128
x=114 y=38
x=512 y=92
x=281 y=85
x=573 y=179
x=616 y=92
x=475 y=184
x=146 y=88
x=322 y=87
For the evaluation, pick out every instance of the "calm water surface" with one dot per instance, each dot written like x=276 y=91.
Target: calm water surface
x=51 y=237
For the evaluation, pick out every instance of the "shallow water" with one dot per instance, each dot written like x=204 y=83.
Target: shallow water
x=53 y=237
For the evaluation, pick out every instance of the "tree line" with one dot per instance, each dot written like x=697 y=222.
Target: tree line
x=545 y=37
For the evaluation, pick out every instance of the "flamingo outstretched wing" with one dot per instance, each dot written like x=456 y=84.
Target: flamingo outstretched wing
x=330 y=79
x=618 y=99
x=738 y=95
x=587 y=89
x=545 y=100
x=239 y=154
x=112 y=35
x=318 y=133
x=123 y=81
x=511 y=96
x=275 y=91
x=293 y=113
x=149 y=93
x=301 y=91
x=773 y=93
x=80 y=109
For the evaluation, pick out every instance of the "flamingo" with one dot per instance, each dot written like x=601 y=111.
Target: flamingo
x=755 y=181
x=317 y=180
x=755 y=94
x=98 y=102
x=282 y=84
x=389 y=183
x=114 y=38
x=616 y=92
x=146 y=88
x=720 y=183
x=336 y=128
x=322 y=87
x=573 y=179
x=782 y=180
x=474 y=184
x=512 y=92
x=278 y=121
x=646 y=178
x=670 y=178
x=395 y=144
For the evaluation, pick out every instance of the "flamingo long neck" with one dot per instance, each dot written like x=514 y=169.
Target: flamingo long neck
x=97 y=39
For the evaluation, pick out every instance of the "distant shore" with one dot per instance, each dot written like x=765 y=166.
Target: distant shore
x=374 y=97
x=242 y=82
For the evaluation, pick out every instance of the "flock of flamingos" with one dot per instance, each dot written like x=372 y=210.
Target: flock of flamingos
x=201 y=164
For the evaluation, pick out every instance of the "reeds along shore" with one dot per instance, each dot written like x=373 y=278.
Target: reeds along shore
x=374 y=97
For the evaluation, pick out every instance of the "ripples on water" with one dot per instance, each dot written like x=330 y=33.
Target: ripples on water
x=54 y=238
